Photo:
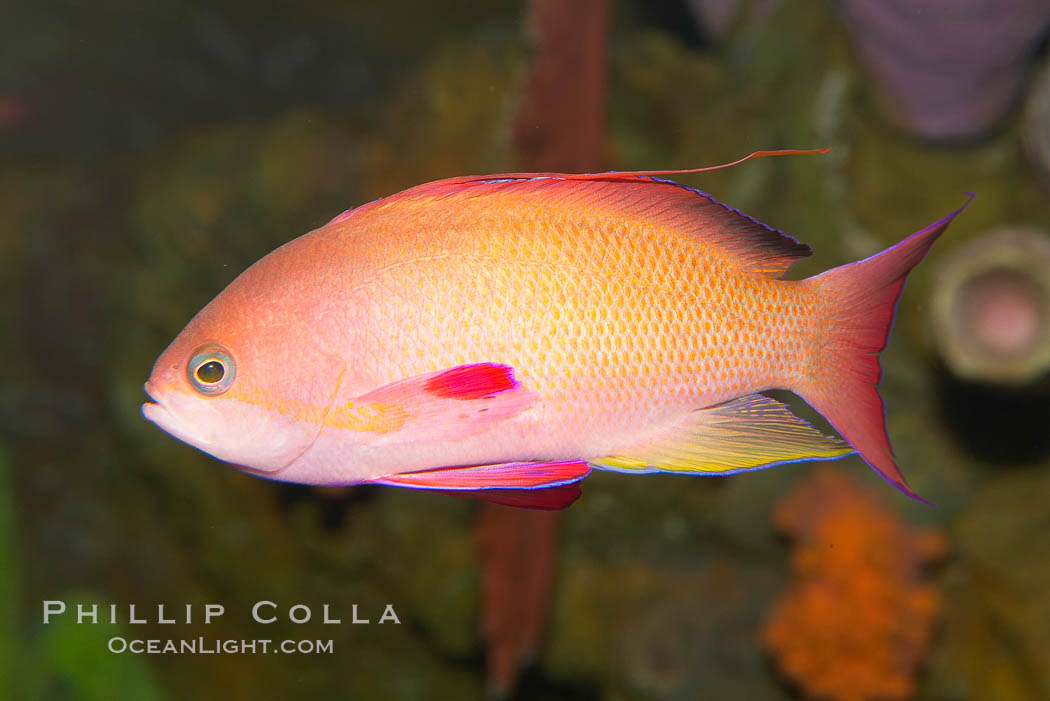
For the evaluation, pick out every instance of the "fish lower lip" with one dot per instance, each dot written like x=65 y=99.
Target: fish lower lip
x=151 y=410
x=165 y=419
x=155 y=409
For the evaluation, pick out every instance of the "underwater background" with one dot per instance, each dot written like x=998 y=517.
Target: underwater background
x=152 y=151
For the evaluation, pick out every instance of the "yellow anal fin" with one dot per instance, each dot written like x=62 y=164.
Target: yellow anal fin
x=744 y=434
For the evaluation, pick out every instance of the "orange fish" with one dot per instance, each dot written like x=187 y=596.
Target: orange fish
x=499 y=336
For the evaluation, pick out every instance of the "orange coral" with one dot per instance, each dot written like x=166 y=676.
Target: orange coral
x=858 y=619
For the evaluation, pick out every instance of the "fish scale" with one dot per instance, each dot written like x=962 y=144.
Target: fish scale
x=500 y=334
x=637 y=313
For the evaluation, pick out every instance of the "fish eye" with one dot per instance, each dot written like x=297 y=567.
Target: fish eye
x=211 y=370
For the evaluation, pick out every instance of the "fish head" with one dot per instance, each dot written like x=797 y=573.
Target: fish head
x=241 y=384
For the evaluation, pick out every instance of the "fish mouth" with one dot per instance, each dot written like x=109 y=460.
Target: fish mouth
x=195 y=423
x=154 y=411
x=161 y=414
x=151 y=392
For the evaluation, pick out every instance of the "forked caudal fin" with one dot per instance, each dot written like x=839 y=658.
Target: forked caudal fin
x=862 y=299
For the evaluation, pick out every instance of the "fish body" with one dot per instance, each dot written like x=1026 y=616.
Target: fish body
x=524 y=328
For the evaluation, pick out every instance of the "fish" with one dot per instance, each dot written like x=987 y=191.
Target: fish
x=500 y=336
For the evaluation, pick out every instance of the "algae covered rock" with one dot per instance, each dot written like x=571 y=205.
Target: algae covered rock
x=996 y=634
x=648 y=631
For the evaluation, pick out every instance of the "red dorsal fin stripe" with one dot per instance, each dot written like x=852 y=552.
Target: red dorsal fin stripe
x=472 y=381
x=639 y=195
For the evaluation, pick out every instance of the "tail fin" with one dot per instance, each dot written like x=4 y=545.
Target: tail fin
x=843 y=385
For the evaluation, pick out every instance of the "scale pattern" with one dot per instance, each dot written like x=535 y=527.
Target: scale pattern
x=620 y=322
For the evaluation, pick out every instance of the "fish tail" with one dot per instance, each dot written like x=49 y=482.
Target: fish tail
x=842 y=383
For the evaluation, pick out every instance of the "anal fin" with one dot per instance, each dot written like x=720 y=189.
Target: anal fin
x=741 y=435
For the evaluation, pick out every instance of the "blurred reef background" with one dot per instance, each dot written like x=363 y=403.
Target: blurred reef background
x=149 y=152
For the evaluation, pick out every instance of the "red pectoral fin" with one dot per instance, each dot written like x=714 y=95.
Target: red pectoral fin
x=535 y=485
x=472 y=381
x=447 y=405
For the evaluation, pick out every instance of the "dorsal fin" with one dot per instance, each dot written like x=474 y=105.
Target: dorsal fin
x=758 y=248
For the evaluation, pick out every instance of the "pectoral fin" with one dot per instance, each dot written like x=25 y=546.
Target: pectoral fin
x=440 y=406
x=749 y=433
x=536 y=485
